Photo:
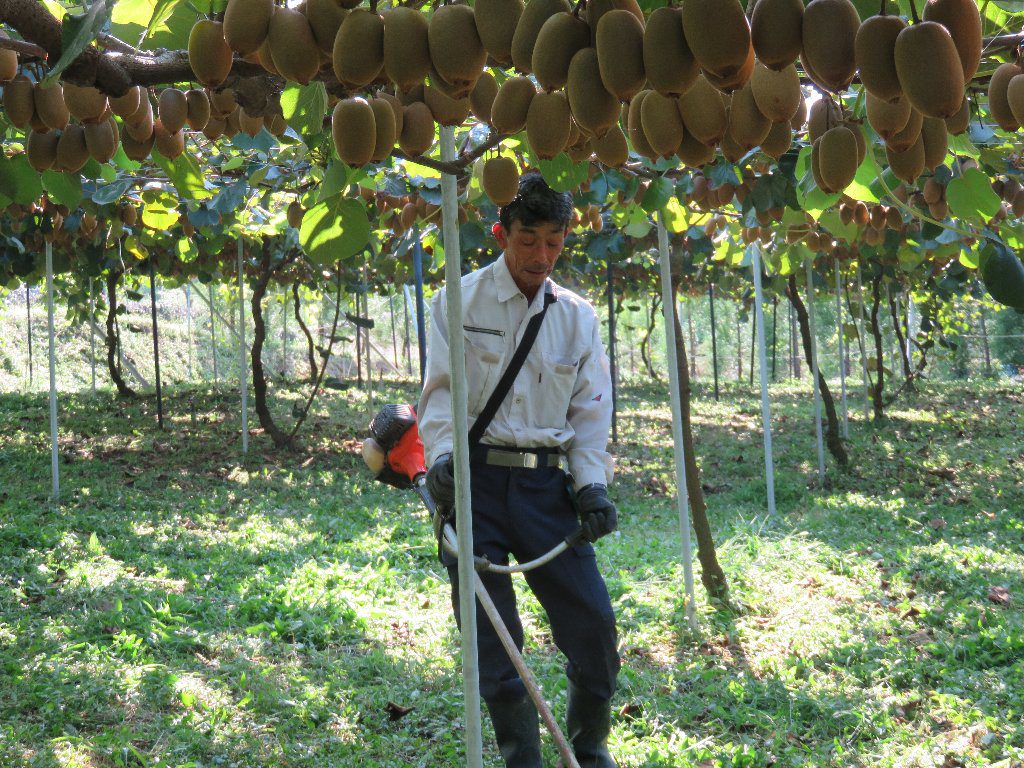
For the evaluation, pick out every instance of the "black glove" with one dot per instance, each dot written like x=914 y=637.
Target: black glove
x=441 y=481
x=598 y=516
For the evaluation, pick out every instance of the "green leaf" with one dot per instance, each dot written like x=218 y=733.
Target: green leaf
x=335 y=229
x=108 y=193
x=304 y=107
x=832 y=221
x=860 y=187
x=562 y=174
x=971 y=196
x=65 y=188
x=18 y=180
x=160 y=211
x=76 y=32
x=185 y=174
x=335 y=180
x=162 y=10
x=657 y=194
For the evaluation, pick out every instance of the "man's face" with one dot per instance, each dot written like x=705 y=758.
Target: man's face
x=531 y=252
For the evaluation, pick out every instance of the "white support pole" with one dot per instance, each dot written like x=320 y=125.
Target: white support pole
x=366 y=337
x=243 y=369
x=213 y=338
x=54 y=456
x=460 y=418
x=818 y=437
x=92 y=337
x=188 y=320
x=284 y=335
x=683 y=495
x=842 y=349
x=863 y=346
x=762 y=356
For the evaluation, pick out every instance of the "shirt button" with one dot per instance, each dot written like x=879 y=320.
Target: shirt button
x=517 y=400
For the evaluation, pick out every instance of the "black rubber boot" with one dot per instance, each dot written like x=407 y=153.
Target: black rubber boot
x=517 y=731
x=589 y=721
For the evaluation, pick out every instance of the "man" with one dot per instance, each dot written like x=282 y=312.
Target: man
x=559 y=405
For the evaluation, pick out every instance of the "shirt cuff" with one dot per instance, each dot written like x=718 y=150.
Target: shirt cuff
x=441 y=448
x=590 y=467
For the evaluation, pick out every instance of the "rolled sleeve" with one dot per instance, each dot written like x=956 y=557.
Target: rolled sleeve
x=434 y=414
x=590 y=416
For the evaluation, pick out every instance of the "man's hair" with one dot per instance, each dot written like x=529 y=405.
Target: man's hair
x=536 y=203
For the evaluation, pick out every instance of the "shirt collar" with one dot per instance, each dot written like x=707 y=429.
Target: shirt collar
x=507 y=288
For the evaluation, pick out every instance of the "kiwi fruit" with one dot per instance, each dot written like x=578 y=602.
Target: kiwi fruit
x=858 y=135
x=737 y=79
x=232 y=123
x=456 y=51
x=798 y=119
x=266 y=58
x=248 y=124
x=909 y=164
x=511 y=105
x=417 y=129
x=406 y=49
x=936 y=142
x=958 y=123
x=634 y=126
x=580 y=152
x=829 y=34
x=500 y=180
x=172 y=109
x=932 y=191
x=1015 y=97
x=998 y=96
x=358 y=54
x=276 y=125
x=209 y=54
x=929 y=69
x=611 y=149
x=661 y=122
x=50 y=106
x=823 y=114
x=816 y=167
x=8 y=63
x=593 y=107
x=524 y=39
x=325 y=17
x=85 y=104
x=246 y=24
x=718 y=33
x=292 y=45
x=874 y=51
x=496 y=22
x=354 y=129
x=19 y=101
x=72 y=152
x=557 y=42
x=446 y=110
x=620 y=53
x=214 y=128
x=775 y=32
x=731 y=151
x=747 y=125
x=170 y=144
x=548 y=124
x=481 y=98
x=128 y=104
x=887 y=118
x=703 y=111
x=295 y=214
x=668 y=61
x=384 y=129
x=837 y=157
x=138 y=149
x=904 y=139
x=41 y=149
x=101 y=139
x=776 y=92
x=222 y=103
x=197 y=109
x=397 y=112
x=140 y=125
x=963 y=20
x=694 y=153
x=594 y=11
x=778 y=140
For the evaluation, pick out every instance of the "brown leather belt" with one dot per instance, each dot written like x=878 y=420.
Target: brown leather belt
x=497 y=457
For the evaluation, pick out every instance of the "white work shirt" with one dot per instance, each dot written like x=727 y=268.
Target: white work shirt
x=562 y=396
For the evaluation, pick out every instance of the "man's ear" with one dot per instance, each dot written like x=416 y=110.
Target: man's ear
x=500 y=235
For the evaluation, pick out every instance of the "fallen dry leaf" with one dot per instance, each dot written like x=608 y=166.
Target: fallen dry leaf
x=999 y=595
x=397 y=711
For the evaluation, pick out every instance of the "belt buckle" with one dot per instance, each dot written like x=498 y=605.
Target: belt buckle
x=530 y=460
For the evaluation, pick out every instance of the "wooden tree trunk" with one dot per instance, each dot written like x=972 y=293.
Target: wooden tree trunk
x=645 y=343
x=712 y=576
x=310 y=346
x=112 y=337
x=259 y=377
x=908 y=372
x=876 y=331
x=833 y=439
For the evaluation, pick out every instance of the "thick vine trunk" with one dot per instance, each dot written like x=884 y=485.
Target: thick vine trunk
x=712 y=576
x=645 y=343
x=908 y=372
x=259 y=377
x=310 y=346
x=876 y=331
x=113 y=338
x=833 y=438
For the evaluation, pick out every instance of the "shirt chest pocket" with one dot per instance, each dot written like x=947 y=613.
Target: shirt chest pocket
x=553 y=382
x=485 y=353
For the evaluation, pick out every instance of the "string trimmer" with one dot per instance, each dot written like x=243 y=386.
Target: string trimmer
x=394 y=453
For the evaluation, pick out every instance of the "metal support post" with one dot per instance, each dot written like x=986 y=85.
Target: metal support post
x=762 y=356
x=842 y=349
x=243 y=368
x=54 y=454
x=819 y=438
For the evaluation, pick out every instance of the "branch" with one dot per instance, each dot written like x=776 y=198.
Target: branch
x=455 y=167
x=24 y=48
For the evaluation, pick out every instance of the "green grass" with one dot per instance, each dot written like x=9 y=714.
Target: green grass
x=183 y=606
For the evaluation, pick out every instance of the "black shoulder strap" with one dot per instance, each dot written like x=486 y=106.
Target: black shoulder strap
x=509 y=376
